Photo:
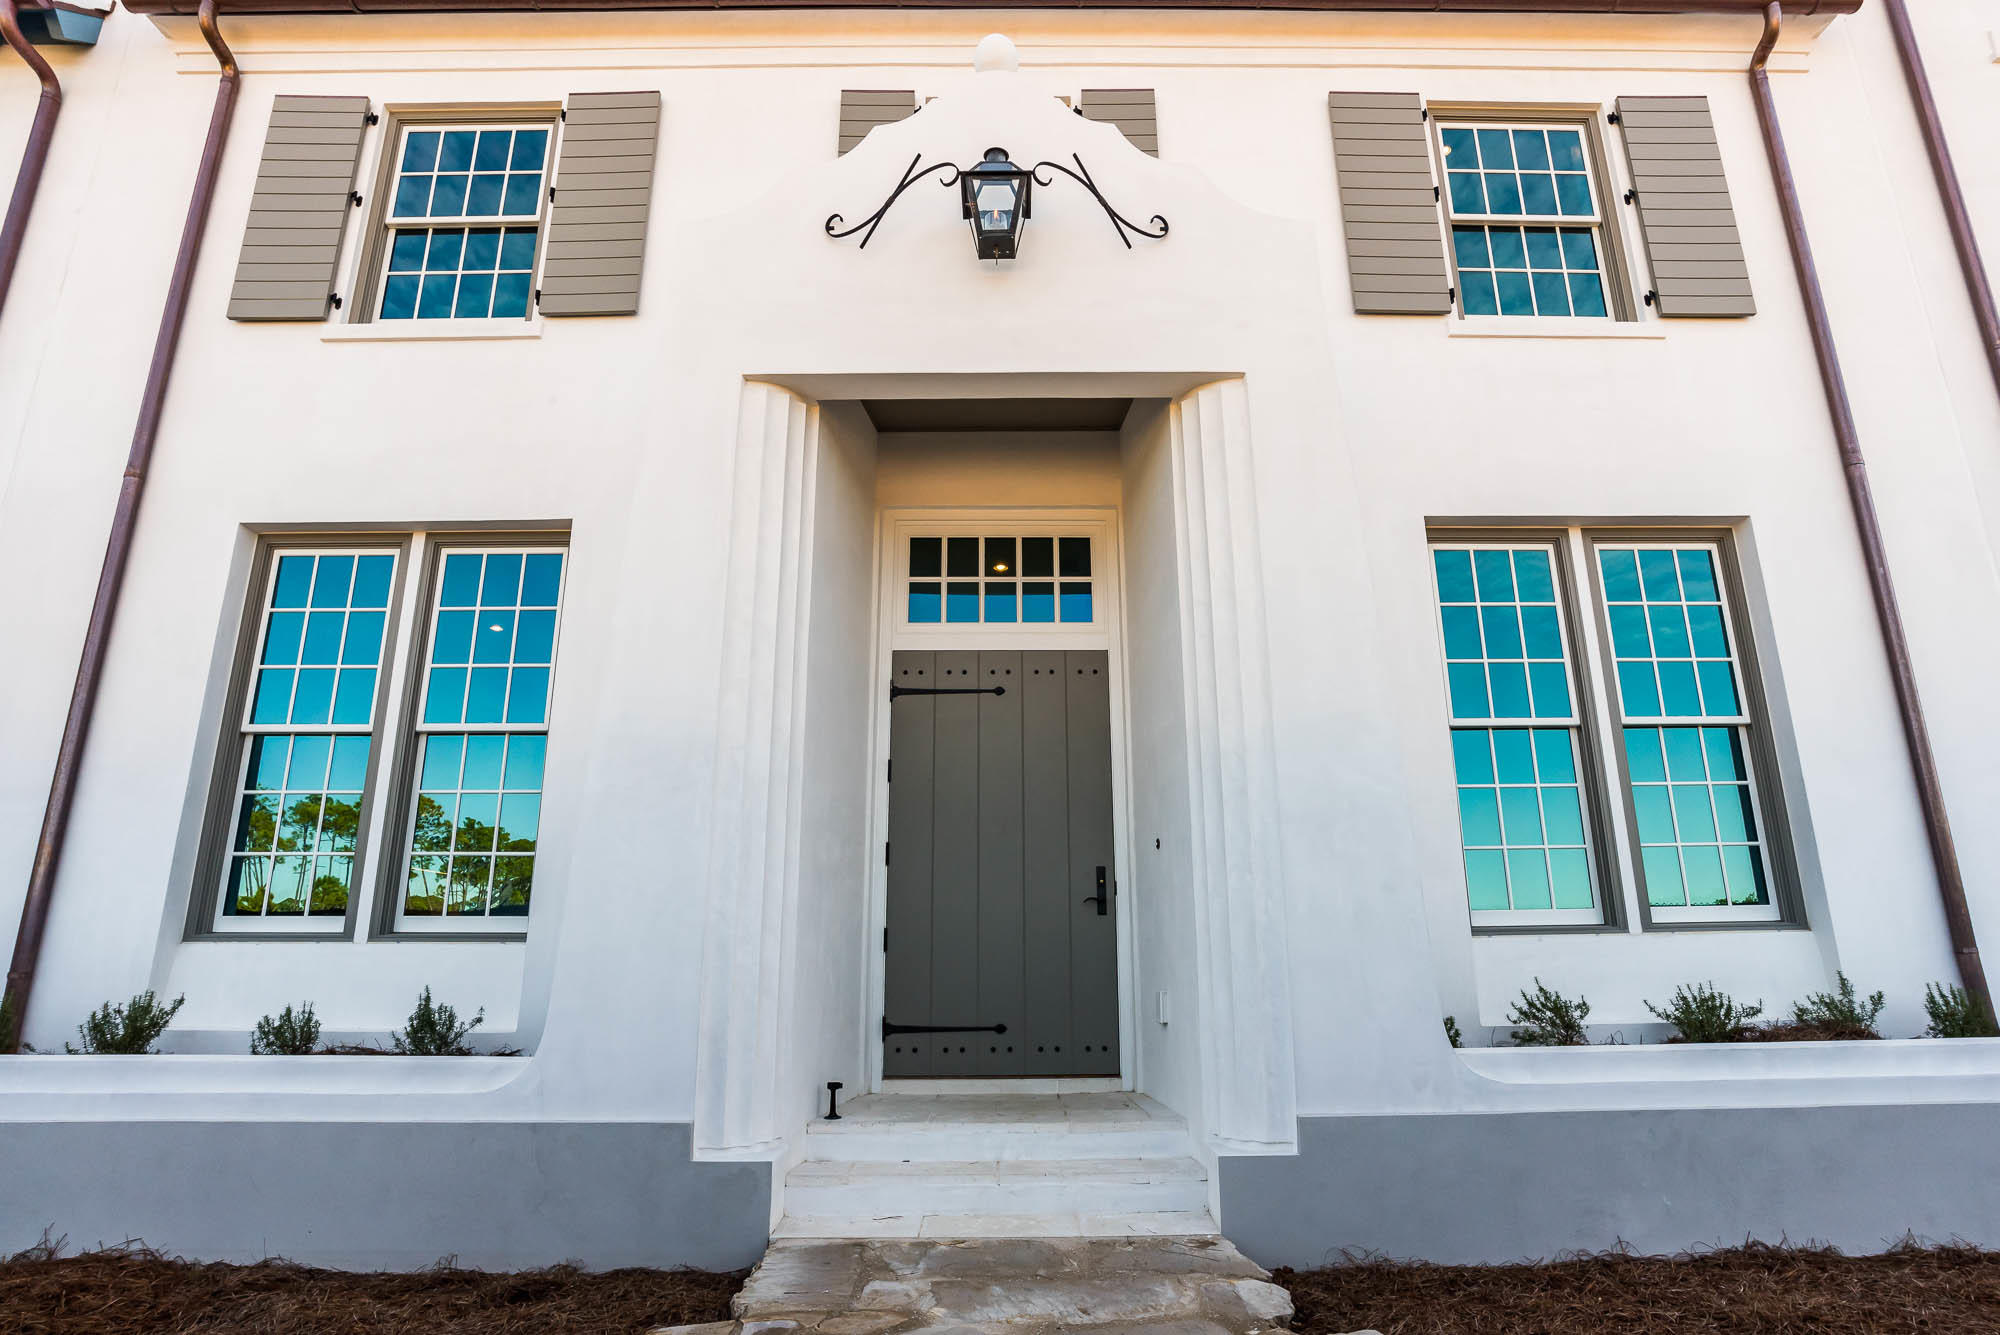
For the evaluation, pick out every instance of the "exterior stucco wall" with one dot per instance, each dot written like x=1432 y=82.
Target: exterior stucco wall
x=380 y=1196
x=1362 y=430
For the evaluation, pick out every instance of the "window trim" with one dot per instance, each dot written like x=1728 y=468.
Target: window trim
x=231 y=751
x=385 y=920
x=1766 y=786
x=369 y=277
x=1614 y=260
x=1599 y=829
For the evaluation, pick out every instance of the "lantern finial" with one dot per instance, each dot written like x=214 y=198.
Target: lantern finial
x=995 y=54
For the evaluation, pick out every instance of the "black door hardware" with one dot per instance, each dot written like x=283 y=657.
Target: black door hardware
x=898 y=692
x=832 y=1092
x=890 y=1029
x=1103 y=896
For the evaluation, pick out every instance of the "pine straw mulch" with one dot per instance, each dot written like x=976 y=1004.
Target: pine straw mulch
x=131 y=1290
x=1751 y=1290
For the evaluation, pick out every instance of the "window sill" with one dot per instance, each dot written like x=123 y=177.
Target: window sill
x=1530 y=326
x=431 y=331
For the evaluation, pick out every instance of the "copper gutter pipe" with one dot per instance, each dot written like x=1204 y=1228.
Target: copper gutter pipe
x=1977 y=287
x=36 y=155
x=1916 y=734
x=118 y=547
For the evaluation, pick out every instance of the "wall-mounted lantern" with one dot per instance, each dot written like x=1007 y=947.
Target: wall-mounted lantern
x=997 y=195
x=994 y=198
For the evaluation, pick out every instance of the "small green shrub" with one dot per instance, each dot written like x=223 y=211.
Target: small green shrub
x=1839 y=1014
x=289 y=1033
x=1956 y=1013
x=128 y=1030
x=434 y=1030
x=1451 y=1031
x=7 y=1023
x=1703 y=1014
x=1549 y=1019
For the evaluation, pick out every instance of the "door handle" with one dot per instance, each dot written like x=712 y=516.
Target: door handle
x=1103 y=896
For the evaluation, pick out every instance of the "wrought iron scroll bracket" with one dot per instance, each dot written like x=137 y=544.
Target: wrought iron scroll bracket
x=911 y=175
x=1118 y=220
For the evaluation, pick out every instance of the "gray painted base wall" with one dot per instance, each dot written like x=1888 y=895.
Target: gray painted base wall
x=394 y=1196
x=1503 y=1187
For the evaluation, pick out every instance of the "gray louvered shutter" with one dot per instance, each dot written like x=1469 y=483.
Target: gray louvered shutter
x=1388 y=204
x=1684 y=212
x=603 y=192
x=1130 y=109
x=862 y=109
x=291 y=244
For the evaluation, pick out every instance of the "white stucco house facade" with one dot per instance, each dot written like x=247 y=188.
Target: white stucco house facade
x=1393 y=530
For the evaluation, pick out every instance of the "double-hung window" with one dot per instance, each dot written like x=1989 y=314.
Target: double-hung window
x=464 y=221
x=314 y=742
x=1673 y=687
x=1527 y=222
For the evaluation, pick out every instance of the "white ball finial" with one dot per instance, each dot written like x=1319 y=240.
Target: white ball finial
x=995 y=52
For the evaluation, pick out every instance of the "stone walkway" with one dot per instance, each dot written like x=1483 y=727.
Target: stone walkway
x=1034 y=1286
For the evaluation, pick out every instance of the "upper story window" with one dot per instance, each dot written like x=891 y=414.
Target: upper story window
x=1672 y=684
x=1527 y=234
x=301 y=777
x=464 y=221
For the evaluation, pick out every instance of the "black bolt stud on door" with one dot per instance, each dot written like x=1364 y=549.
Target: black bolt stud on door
x=1002 y=941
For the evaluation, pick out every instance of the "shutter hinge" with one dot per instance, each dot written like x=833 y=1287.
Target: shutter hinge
x=563 y=114
x=1613 y=118
x=885 y=852
x=1437 y=193
x=1423 y=113
x=1652 y=297
x=1631 y=196
x=336 y=299
x=354 y=198
x=890 y=776
x=885 y=940
x=372 y=119
x=1450 y=295
x=538 y=296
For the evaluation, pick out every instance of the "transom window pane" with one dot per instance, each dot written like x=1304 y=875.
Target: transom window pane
x=476 y=805
x=1501 y=181
x=1520 y=798
x=1008 y=580
x=1693 y=793
x=439 y=265
x=310 y=711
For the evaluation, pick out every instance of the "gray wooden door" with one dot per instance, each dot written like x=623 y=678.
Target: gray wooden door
x=999 y=838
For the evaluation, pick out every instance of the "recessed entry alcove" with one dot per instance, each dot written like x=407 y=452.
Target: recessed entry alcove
x=1061 y=812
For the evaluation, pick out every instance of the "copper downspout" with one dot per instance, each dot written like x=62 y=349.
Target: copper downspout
x=35 y=155
x=1969 y=261
x=118 y=548
x=1916 y=735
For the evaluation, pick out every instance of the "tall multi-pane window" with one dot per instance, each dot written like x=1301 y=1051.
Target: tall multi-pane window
x=287 y=847
x=1526 y=221
x=1515 y=726
x=1686 y=732
x=309 y=715
x=1671 y=687
x=476 y=817
x=464 y=218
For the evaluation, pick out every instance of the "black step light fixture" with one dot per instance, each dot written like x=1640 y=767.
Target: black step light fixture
x=995 y=197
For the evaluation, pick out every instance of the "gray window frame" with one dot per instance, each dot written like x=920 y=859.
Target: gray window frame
x=219 y=810
x=1590 y=784
x=1781 y=856
x=396 y=804
x=374 y=248
x=1620 y=299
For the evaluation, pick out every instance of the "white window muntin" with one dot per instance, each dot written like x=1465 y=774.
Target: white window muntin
x=423 y=728
x=1570 y=724
x=507 y=264
x=1740 y=723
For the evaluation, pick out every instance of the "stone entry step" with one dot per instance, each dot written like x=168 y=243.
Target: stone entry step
x=961 y=1128
x=1179 y=1286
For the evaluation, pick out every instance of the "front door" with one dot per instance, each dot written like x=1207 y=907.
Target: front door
x=1002 y=938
